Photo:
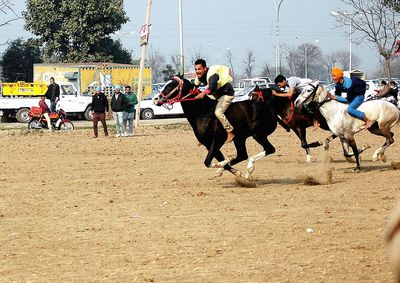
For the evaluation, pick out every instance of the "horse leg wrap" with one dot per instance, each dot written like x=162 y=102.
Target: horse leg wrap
x=221 y=164
x=252 y=161
x=375 y=155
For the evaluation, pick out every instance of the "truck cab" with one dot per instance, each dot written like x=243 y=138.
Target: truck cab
x=73 y=103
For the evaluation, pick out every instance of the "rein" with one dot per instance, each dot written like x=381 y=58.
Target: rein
x=312 y=97
x=288 y=120
x=179 y=97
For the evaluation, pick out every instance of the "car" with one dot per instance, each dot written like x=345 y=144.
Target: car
x=148 y=110
x=372 y=90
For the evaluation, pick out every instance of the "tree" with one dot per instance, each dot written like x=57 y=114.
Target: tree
x=249 y=64
x=377 y=23
x=168 y=72
x=311 y=55
x=292 y=59
x=117 y=52
x=156 y=62
x=266 y=71
x=394 y=4
x=341 y=59
x=197 y=54
x=73 y=30
x=18 y=59
x=5 y=9
x=176 y=61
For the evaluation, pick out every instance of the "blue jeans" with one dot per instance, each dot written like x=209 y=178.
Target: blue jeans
x=119 y=125
x=352 y=109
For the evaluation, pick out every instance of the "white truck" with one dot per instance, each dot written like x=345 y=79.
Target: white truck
x=244 y=83
x=70 y=101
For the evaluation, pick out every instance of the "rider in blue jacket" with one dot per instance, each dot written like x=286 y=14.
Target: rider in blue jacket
x=355 y=89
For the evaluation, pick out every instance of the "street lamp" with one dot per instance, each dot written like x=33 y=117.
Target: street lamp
x=278 y=44
x=349 y=17
x=223 y=50
x=306 y=46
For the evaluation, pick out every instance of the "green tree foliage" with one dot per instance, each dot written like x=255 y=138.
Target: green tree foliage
x=75 y=30
x=395 y=4
x=168 y=72
x=18 y=59
x=116 y=50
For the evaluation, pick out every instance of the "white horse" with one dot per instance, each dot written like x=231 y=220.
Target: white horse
x=345 y=126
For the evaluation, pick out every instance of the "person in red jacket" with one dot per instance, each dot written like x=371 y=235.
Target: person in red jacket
x=45 y=111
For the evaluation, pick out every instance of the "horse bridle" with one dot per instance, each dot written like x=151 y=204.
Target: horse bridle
x=179 y=97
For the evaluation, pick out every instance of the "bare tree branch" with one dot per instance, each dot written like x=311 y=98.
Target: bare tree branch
x=376 y=23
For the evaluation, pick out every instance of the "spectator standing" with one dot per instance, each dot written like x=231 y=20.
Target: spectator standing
x=99 y=107
x=129 y=111
x=118 y=103
x=53 y=94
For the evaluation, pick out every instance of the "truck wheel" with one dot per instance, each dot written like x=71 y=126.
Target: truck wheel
x=88 y=114
x=22 y=115
x=147 y=114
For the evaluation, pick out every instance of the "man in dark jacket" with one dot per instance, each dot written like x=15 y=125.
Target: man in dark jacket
x=53 y=94
x=118 y=104
x=99 y=107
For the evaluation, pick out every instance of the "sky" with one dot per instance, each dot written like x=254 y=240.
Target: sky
x=212 y=27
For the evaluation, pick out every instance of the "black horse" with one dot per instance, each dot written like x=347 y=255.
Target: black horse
x=249 y=118
x=292 y=118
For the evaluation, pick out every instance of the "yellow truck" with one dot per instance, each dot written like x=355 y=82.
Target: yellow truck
x=86 y=76
x=21 y=88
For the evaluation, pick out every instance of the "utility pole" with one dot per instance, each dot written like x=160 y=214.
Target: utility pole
x=278 y=43
x=182 y=67
x=144 y=40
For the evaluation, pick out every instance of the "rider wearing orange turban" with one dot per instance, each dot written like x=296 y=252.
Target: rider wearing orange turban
x=355 y=89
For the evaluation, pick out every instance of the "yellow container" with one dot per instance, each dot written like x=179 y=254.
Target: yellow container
x=23 y=89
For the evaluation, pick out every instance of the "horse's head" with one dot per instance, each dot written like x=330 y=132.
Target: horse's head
x=308 y=94
x=175 y=90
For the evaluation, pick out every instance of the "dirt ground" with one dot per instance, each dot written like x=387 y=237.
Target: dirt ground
x=145 y=209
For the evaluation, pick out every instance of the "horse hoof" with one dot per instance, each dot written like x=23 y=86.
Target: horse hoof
x=383 y=158
x=374 y=159
x=309 y=159
x=356 y=170
x=250 y=169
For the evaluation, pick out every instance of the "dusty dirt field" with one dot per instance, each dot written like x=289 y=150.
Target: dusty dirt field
x=145 y=209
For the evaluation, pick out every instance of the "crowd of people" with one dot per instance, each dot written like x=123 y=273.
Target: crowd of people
x=123 y=109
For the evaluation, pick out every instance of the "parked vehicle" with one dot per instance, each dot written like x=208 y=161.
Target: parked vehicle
x=243 y=83
x=58 y=120
x=148 y=110
x=71 y=101
x=372 y=91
